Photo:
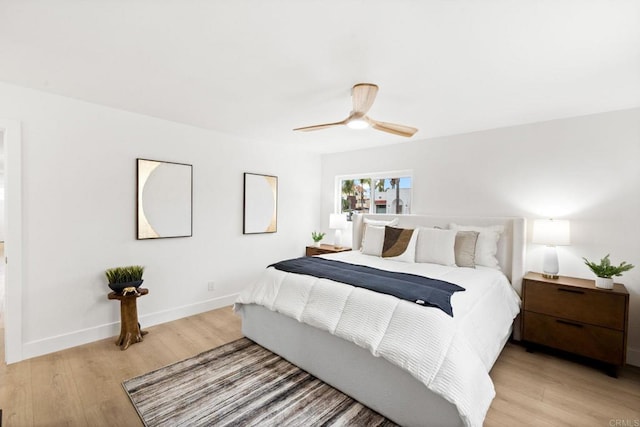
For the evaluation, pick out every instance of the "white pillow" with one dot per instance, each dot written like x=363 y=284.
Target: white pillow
x=380 y=222
x=399 y=244
x=487 y=244
x=373 y=240
x=377 y=223
x=436 y=246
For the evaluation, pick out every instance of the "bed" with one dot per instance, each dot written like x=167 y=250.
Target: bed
x=426 y=368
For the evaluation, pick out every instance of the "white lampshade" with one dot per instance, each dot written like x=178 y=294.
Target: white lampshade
x=337 y=221
x=551 y=232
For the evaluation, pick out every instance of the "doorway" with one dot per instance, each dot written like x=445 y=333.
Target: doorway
x=11 y=262
x=2 y=265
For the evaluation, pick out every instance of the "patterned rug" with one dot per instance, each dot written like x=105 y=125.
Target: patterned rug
x=242 y=384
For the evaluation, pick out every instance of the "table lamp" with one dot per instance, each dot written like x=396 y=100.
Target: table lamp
x=552 y=233
x=337 y=222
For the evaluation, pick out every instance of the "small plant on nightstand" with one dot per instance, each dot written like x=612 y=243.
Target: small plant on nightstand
x=605 y=271
x=317 y=237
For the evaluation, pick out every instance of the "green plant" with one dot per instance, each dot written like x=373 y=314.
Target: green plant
x=132 y=273
x=605 y=269
x=317 y=236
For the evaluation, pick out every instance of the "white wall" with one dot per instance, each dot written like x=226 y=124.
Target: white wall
x=79 y=194
x=585 y=169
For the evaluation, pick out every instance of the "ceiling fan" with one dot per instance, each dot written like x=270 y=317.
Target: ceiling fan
x=362 y=96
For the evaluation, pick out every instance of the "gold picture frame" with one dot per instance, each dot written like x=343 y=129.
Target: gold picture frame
x=260 y=213
x=164 y=199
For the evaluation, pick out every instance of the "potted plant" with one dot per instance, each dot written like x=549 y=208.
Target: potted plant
x=317 y=237
x=120 y=278
x=605 y=271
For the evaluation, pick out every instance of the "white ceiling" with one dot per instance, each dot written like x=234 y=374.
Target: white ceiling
x=256 y=69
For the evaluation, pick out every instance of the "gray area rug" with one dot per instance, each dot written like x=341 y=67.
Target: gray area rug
x=242 y=384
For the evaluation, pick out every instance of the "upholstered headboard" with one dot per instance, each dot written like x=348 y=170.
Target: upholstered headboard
x=511 y=246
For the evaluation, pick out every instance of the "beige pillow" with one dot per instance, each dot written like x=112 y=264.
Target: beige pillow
x=465 y=248
x=487 y=244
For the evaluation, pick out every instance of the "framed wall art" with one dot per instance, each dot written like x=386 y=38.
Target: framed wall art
x=260 y=204
x=165 y=199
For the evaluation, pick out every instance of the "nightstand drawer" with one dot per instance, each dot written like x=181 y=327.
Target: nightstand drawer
x=591 y=341
x=325 y=249
x=582 y=305
x=315 y=251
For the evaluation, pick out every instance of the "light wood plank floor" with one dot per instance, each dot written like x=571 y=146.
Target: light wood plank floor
x=82 y=386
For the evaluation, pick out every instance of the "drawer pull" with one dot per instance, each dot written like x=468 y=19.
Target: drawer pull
x=565 y=322
x=572 y=291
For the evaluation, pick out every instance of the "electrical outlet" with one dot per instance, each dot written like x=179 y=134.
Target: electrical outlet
x=211 y=286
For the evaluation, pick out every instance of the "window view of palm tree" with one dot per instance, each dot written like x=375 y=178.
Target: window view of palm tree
x=348 y=198
x=356 y=194
x=376 y=195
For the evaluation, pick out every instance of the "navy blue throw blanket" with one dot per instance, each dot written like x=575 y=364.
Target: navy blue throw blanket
x=411 y=287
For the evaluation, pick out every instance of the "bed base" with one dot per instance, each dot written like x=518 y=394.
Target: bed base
x=373 y=381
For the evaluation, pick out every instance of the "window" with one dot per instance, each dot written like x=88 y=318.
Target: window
x=381 y=193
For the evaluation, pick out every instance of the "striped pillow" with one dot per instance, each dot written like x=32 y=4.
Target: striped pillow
x=399 y=244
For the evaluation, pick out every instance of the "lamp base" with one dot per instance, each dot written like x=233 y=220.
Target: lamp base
x=337 y=239
x=550 y=268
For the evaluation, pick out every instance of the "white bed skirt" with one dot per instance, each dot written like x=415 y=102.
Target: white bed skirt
x=371 y=380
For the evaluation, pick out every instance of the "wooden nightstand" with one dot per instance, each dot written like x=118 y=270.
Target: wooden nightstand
x=325 y=249
x=572 y=315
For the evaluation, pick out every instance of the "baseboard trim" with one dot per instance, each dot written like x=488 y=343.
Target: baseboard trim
x=84 y=336
x=186 y=310
x=633 y=356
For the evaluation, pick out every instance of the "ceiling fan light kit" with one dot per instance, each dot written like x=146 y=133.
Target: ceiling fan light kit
x=362 y=97
x=357 y=123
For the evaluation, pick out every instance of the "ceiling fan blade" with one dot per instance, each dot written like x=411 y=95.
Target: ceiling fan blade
x=318 y=127
x=363 y=95
x=393 y=128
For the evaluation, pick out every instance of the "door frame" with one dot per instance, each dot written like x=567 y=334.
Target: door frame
x=14 y=268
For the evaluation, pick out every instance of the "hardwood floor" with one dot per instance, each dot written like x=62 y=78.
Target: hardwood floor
x=82 y=386
x=540 y=389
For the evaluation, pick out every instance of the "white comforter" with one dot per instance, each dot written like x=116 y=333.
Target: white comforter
x=451 y=356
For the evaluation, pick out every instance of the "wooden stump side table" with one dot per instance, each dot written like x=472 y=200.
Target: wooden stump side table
x=130 y=332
